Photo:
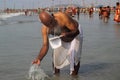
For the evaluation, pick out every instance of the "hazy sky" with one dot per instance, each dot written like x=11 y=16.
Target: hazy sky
x=45 y=3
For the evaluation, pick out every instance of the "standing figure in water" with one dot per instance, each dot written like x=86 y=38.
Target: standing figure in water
x=117 y=13
x=69 y=52
x=91 y=12
x=78 y=12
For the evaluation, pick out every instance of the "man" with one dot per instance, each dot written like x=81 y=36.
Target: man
x=105 y=14
x=117 y=13
x=57 y=24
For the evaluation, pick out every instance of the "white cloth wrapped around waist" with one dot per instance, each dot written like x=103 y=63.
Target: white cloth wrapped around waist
x=68 y=52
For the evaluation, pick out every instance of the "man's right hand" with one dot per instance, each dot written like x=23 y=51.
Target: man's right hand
x=36 y=61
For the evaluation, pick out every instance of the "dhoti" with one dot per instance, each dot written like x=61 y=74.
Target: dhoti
x=69 y=53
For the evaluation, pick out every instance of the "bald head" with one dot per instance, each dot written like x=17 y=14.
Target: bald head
x=45 y=17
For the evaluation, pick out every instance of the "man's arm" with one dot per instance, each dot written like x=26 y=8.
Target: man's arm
x=45 y=46
x=72 y=25
x=69 y=36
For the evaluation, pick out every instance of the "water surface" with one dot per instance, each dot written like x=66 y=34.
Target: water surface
x=20 y=42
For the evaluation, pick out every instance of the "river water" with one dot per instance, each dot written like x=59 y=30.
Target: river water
x=20 y=42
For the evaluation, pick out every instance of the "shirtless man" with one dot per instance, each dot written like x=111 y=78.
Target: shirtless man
x=117 y=13
x=69 y=30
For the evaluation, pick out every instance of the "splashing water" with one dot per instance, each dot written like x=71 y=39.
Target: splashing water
x=36 y=73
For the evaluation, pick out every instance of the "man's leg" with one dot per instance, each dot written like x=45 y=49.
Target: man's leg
x=56 y=71
x=76 y=69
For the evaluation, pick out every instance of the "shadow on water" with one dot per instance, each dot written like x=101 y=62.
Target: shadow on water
x=27 y=21
x=65 y=77
x=93 y=67
x=85 y=69
x=17 y=22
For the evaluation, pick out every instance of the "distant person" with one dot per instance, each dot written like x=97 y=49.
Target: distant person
x=73 y=11
x=108 y=10
x=26 y=12
x=78 y=12
x=39 y=10
x=105 y=14
x=69 y=53
x=100 y=12
x=117 y=13
x=91 y=12
x=69 y=11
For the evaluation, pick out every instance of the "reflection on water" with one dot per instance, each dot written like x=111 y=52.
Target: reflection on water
x=117 y=31
x=90 y=68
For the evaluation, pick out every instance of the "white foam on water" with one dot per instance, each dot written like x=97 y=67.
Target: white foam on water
x=36 y=73
x=4 y=16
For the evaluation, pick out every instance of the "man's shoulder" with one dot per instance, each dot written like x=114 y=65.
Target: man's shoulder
x=44 y=28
